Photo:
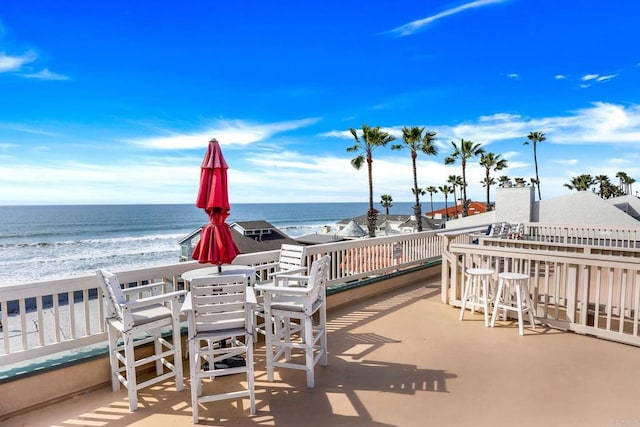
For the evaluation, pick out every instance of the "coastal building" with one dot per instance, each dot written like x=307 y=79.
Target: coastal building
x=391 y=224
x=518 y=205
x=456 y=210
x=352 y=231
x=249 y=236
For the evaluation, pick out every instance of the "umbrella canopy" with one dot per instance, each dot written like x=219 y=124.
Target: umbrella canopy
x=216 y=245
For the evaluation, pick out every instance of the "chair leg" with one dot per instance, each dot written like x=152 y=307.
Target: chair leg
x=193 y=378
x=520 y=313
x=177 y=355
x=157 y=348
x=308 y=341
x=287 y=338
x=132 y=382
x=465 y=295
x=496 y=302
x=323 y=337
x=113 y=359
x=527 y=298
x=485 y=295
x=269 y=336
x=250 y=373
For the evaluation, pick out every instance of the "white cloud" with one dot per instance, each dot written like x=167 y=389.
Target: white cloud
x=605 y=78
x=230 y=133
x=513 y=76
x=415 y=26
x=566 y=162
x=588 y=77
x=46 y=75
x=14 y=63
x=559 y=77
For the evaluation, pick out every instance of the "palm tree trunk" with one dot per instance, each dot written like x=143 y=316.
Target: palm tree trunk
x=488 y=191
x=446 y=208
x=535 y=161
x=455 y=204
x=371 y=215
x=464 y=188
x=416 y=209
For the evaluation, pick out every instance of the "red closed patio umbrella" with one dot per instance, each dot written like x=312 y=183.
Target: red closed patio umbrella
x=216 y=245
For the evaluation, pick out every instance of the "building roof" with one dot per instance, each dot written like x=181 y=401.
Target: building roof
x=579 y=207
x=253 y=225
x=474 y=209
x=352 y=230
x=318 y=238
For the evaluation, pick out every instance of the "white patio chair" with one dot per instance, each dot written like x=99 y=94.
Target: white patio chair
x=292 y=309
x=132 y=322
x=220 y=336
x=292 y=260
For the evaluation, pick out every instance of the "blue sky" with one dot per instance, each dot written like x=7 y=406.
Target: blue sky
x=114 y=102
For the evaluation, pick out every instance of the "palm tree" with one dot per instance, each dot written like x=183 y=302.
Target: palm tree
x=371 y=139
x=431 y=189
x=630 y=182
x=465 y=151
x=603 y=182
x=487 y=182
x=455 y=181
x=534 y=138
x=581 y=182
x=504 y=181
x=415 y=141
x=622 y=176
x=491 y=161
x=386 y=202
x=446 y=190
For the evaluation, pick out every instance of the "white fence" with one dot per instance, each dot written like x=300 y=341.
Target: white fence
x=581 y=291
x=576 y=286
x=584 y=235
x=43 y=318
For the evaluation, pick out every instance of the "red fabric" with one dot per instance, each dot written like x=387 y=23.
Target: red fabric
x=213 y=191
x=216 y=245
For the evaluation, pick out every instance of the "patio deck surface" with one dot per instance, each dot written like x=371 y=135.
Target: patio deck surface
x=404 y=359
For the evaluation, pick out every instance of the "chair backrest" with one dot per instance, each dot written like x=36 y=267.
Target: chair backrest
x=112 y=293
x=292 y=257
x=504 y=230
x=318 y=275
x=219 y=302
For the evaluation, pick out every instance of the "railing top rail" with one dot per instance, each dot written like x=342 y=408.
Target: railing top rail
x=616 y=261
x=527 y=242
x=583 y=226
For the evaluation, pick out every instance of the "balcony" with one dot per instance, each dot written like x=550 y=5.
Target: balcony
x=398 y=356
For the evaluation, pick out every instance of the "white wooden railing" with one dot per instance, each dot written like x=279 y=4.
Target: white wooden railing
x=570 y=289
x=43 y=318
x=584 y=235
x=589 y=290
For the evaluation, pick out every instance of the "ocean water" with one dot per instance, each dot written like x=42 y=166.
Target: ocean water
x=49 y=242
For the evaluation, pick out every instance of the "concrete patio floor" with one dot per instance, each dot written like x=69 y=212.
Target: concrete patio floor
x=404 y=359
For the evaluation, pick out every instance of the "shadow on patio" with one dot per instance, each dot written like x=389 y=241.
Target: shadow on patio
x=404 y=359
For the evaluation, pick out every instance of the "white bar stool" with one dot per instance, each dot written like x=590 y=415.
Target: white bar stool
x=520 y=283
x=476 y=292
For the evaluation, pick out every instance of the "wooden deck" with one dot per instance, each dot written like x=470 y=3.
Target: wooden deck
x=404 y=359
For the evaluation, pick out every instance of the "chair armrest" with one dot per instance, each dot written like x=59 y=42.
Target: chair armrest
x=283 y=290
x=282 y=280
x=156 y=299
x=251 y=296
x=299 y=270
x=143 y=288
